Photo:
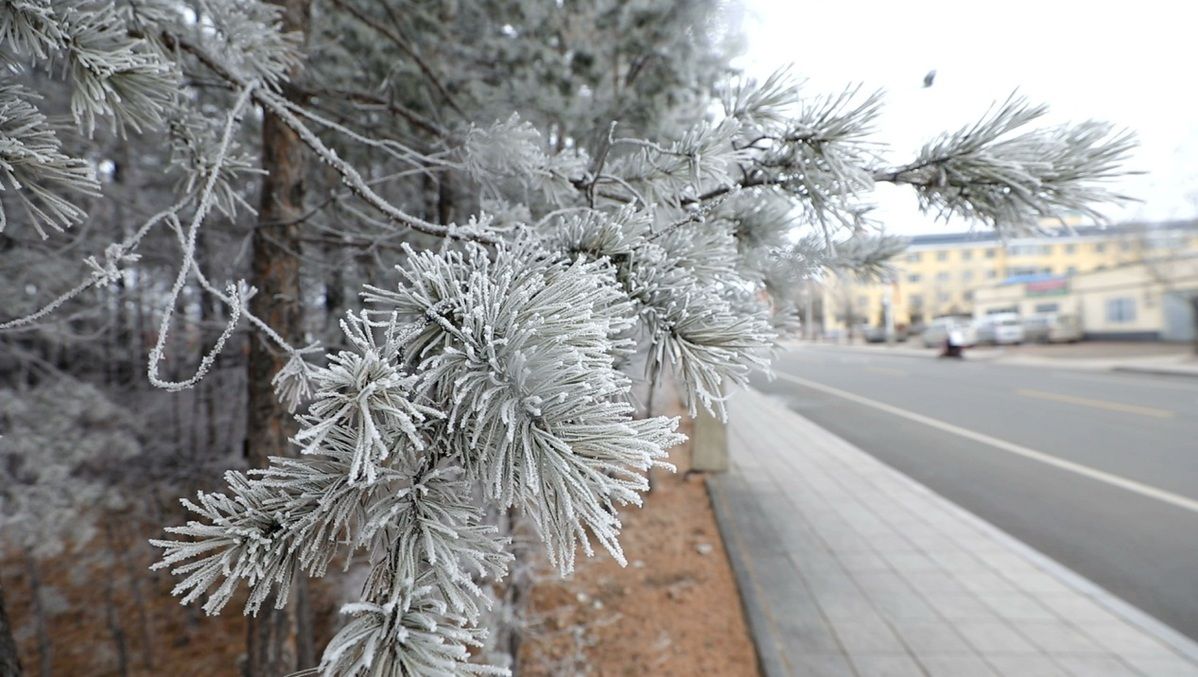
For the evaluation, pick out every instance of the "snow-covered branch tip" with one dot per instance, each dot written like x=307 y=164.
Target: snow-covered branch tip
x=1011 y=180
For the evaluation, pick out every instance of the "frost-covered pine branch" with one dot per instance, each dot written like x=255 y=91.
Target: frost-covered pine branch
x=33 y=169
x=999 y=174
x=490 y=373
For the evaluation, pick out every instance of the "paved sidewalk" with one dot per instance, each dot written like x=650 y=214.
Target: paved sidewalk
x=847 y=567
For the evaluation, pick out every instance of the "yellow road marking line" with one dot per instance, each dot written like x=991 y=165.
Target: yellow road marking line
x=1097 y=404
x=1003 y=445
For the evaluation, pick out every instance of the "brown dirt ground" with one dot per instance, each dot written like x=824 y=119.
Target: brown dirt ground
x=172 y=641
x=674 y=610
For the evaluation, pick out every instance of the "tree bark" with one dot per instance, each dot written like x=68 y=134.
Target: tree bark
x=44 y=657
x=115 y=631
x=272 y=645
x=10 y=662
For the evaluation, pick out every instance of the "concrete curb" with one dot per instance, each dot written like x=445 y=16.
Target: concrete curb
x=750 y=606
x=1014 y=360
x=1156 y=371
x=924 y=353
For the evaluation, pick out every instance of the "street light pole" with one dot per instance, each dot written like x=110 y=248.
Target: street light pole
x=808 y=328
x=888 y=309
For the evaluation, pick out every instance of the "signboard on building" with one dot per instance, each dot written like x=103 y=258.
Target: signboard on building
x=1055 y=286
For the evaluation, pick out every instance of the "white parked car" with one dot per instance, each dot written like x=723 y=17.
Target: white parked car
x=1052 y=328
x=938 y=330
x=1000 y=329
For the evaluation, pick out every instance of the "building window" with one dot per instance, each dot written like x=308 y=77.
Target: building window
x=913 y=257
x=916 y=300
x=942 y=276
x=1125 y=246
x=966 y=254
x=862 y=301
x=941 y=256
x=1071 y=270
x=1100 y=247
x=991 y=274
x=1047 y=307
x=913 y=277
x=1121 y=310
x=1166 y=240
x=991 y=252
x=1029 y=249
x=969 y=296
x=943 y=297
x=967 y=275
x=1070 y=249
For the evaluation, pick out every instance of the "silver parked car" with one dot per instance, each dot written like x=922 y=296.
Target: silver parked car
x=938 y=330
x=1000 y=329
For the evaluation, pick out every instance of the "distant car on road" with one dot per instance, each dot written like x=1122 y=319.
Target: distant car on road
x=1000 y=329
x=938 y=329
x=1052 y=328
x=878 y=334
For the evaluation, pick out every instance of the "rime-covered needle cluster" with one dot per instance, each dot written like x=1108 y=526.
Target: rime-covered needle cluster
x=485 y=370
x=494 y=371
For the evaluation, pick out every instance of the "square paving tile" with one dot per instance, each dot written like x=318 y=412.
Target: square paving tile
x=1057 y=637
x=994 y=637
x=901 y=606
x=818 y=665
x=956 y=666
x=1123 y=639
x=961 y=607
x=1025 y=666
x=1016 y=606
x=873 y=637
x=1164 y=666
x=897 y=665
x=934 y=637
x=1096 y=666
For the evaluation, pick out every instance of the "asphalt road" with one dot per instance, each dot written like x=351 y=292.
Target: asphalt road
x=1096 y=470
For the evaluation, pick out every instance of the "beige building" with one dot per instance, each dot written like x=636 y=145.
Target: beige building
x=1144 y=300
x=940 y=274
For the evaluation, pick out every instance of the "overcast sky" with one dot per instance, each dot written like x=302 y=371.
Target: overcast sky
x=1131 y=63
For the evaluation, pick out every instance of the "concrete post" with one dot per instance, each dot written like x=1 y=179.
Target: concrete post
x=709 y=446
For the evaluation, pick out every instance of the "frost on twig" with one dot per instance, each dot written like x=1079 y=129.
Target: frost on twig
x=1010 y=179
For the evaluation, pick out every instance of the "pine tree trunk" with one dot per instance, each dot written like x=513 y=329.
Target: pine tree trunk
x=272 y=645
x=207 y=390
x=10 y=662
x=44 y=657
x=115 y=631
x=124 y=553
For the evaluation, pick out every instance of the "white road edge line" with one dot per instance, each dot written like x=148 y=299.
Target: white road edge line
x=1009 y=447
